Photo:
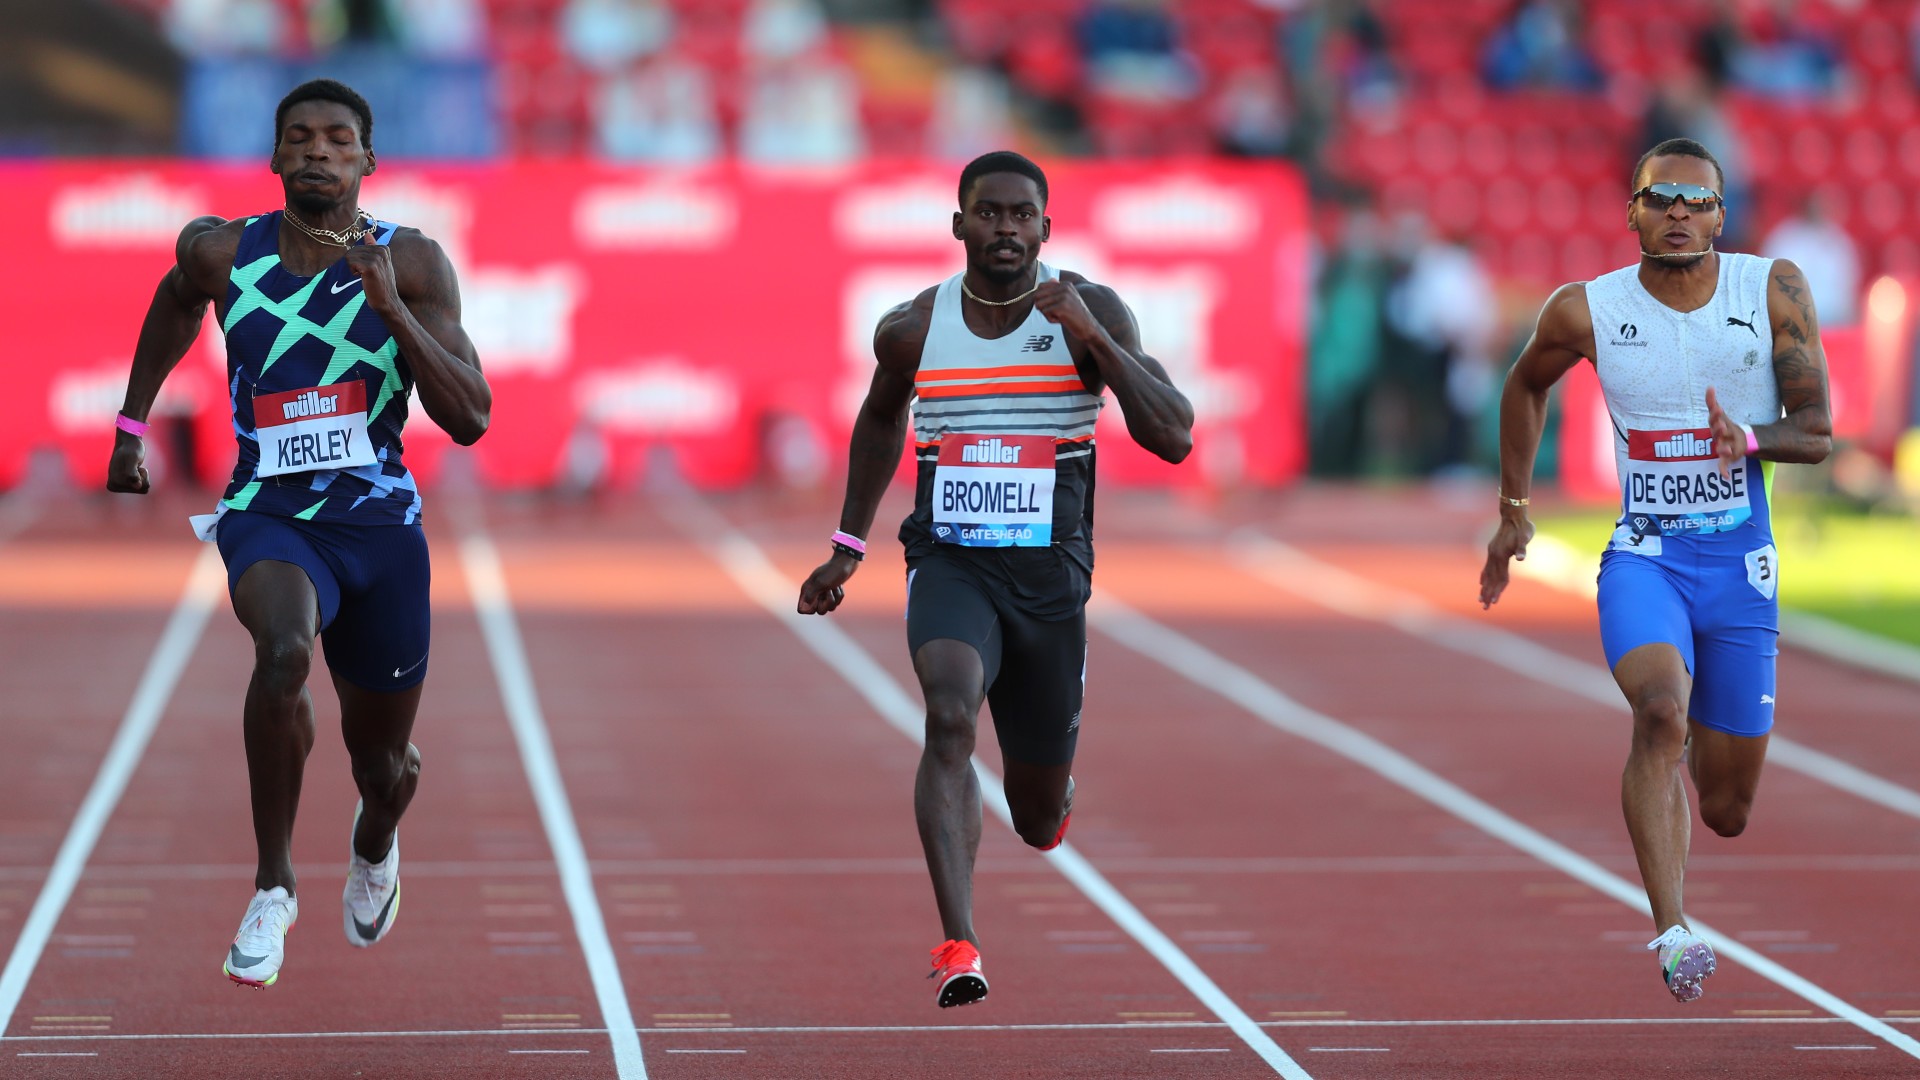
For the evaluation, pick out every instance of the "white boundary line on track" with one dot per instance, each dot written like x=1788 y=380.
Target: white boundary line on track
x=756 y=576
x=1208 y=669
x=487 y=582
x=965 y=1029
x=1341 y=590
x=170 y=655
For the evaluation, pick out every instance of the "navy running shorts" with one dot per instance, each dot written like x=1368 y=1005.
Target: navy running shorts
x=1036 y=667
x=372 y=581
x=1718 y=607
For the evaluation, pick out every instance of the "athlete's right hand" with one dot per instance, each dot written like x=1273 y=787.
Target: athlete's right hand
x=822 y=591
x=1509 y=542
x=126 y=469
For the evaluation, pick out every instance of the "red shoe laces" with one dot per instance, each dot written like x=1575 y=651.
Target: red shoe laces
x=952 y=954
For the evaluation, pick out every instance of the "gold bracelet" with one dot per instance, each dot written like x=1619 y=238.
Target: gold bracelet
x=1512 y=502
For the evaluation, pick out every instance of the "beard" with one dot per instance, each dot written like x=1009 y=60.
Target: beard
x=1678 y=259
x=1003 y=275
x=310 y=204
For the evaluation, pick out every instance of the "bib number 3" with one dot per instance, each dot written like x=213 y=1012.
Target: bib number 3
x=1763 y=571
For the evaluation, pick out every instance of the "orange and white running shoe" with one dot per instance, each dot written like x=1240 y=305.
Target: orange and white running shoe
x=258 y=949
x=957 y=965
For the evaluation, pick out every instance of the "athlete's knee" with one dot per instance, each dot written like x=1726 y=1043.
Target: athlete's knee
x=1660 y=723
x=380 y=773
x=282 y=659
x=1038 y=829
x=1726 y=815
x=951 y=723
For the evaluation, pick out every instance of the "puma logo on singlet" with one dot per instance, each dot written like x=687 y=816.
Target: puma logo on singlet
x=1748 y=323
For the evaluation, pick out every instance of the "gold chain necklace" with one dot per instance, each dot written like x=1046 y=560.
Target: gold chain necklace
x=997 y=303
x=338 y=238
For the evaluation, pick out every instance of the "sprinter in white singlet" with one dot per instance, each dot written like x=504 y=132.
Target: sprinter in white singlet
x=1712 y=371
x=1004 y=365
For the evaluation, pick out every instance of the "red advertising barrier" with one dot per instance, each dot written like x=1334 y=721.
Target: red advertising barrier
x=632 y=321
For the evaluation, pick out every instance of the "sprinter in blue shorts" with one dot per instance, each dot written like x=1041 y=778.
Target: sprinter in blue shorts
x=332 y=319
x=1712 y=370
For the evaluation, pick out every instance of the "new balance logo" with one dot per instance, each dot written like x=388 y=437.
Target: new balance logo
x=1731 y=321
x=1038 y=343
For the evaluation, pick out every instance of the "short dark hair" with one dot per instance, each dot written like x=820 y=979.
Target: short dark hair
x=1000 y=161
x=325 y=90
x=1680 y=148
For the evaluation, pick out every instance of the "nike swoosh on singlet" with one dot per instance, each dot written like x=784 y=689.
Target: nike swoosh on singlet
x=338 y=289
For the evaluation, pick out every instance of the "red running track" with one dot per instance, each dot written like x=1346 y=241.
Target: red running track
x=748 y=818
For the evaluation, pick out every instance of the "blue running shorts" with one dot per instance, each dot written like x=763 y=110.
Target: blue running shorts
x=372 y=581
x=1718 y=606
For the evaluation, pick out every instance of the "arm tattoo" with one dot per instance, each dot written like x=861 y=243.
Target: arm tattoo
x=1799 y=369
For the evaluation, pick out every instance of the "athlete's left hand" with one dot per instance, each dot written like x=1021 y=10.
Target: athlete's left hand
x=1729 y=441
x=374 y=263
x=1061 y=303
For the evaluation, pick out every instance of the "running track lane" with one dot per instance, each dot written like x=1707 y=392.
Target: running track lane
x=482 y=944
x=751 y=819
x=1527 y=753
x=1349 y=671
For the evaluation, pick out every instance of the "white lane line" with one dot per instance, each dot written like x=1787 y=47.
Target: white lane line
x=492 y=603
x=1020 y=864
x=706 y=1051
x=1350 y=1049
x=90 y=1053
x=549 y=1051
x=1341 y=590
x=150 y=697
x=1208 y=669
x=755 y=574
x=1193 y=1050
x=963 y=1029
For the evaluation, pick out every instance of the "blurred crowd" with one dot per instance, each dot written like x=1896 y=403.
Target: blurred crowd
x=1420 y=300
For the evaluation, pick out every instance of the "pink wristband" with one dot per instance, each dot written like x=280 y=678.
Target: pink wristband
x=851 y=541
x=129 y=425
x=1753 y=443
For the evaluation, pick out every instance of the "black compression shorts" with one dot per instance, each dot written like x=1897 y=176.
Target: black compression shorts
x=1036 y=668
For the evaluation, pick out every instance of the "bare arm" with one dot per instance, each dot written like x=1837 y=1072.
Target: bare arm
x=873 y=452
x=1805 y=433
x=1561 y=339
x=416 y=293
x=168 y=331
x=1159 y=416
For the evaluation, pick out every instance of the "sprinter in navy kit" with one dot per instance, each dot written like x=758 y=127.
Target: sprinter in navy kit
x=332 y=319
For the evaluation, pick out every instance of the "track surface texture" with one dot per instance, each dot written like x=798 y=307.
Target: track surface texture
x=1328 y=845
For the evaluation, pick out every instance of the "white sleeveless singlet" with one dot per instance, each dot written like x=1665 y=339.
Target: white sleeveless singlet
x=1655 y=365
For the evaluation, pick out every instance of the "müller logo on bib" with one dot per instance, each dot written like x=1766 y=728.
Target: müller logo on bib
x=1693 y=444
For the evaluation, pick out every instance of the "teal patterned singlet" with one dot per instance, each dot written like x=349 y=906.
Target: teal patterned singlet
x=287 y=333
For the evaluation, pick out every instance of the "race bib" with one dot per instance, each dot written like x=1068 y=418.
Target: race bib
x=321 y=427
x=1675 y=480
x=994 y=491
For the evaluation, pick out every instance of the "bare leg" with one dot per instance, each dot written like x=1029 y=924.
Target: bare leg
x=1726 y=772
x=946 y=793
x=276 y=603
x=1037 y=794
x=386 y=767
x=1652 y=792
